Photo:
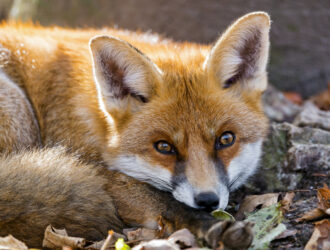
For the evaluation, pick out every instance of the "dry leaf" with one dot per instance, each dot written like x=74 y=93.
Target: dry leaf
x=183 y=238
x=320 y=238
x=323 y=195
x=252 y=201
x=59 y=238
x=293 y=97
x=323 y=207
x=287 y=201
x=96 y=245
x=140 y=234
x=322 y=100
x=287 y=233
x=10 y=242
x=314 y=214
x=157 y=245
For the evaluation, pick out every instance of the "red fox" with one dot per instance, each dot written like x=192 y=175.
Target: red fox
x=150 y=127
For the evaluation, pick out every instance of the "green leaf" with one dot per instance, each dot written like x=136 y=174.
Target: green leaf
x=267 y=226
x=121 y=245
x=222 y=215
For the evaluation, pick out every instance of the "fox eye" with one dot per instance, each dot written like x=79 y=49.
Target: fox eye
x=164 y=147
x=231 y=81
x=225 y=140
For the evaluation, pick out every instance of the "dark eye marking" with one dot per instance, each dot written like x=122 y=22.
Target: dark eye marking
x=164 y=147
x=231 y=81
x=225 y=140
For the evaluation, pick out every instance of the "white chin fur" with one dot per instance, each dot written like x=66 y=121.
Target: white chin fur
x=139 y=169
x=184 y=193
x=245 y=164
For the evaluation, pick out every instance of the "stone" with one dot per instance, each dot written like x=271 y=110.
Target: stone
x=290 y=155
x=312 y=116
x=277 y=107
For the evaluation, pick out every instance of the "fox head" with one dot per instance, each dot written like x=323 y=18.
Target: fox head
x=188 y=118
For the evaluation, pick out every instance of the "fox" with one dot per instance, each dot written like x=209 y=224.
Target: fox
x=106 y=128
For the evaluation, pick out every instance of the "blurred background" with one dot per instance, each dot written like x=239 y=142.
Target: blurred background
x=300 y=35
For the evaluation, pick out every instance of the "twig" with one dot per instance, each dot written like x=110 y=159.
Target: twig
x=107 y=242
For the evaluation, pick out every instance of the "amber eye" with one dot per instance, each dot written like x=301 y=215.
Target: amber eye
x=225 y=140
x=164 y=147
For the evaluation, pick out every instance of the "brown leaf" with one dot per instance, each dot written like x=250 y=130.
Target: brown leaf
x=320 y=238
x=323 y=207
x=96 y=245
x=9 y=242
x=322 y=100
x=183 y=238
x=140 y=234
x=293 y=97
x=286 y=233
x=59 y=238
x=287 y=201
x=108 y=242
x=323 y=195
x=250 y=203
x=314 y=214
x=157 y=245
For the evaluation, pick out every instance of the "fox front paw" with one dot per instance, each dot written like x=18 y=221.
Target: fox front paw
x=233 y=235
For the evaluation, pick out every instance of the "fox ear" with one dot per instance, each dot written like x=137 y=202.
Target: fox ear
x=239 y=58
x=125 y=78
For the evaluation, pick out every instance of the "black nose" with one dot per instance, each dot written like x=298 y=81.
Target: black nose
x=207 y=201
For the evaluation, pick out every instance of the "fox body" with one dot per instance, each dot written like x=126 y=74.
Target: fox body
x=164 y=128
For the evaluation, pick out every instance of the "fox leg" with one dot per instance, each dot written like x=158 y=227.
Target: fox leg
x=18 y=125
x=142 y=205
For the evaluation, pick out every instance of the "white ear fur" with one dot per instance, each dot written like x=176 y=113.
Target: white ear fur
x=123 y=75
x=241 y=53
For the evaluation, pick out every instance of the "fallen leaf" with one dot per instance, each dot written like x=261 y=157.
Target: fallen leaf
x=320 y=238
x=322 y=100
x=10 y=242
x=323 y=195
x=121 y=245
x=59 y=238
x=267 y=225
x=222 y=215
x=96 y=245
x=157 y=245
x=183 y=238
x=251 y=202
x=323 y=207
x=287 y=233
x=314 y=214
x=140 y=234
x=293 y=97
x=287 y=201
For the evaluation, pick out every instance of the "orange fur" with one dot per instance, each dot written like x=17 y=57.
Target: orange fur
x=137 y=89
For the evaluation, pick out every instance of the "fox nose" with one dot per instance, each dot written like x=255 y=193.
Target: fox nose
x=207 y=201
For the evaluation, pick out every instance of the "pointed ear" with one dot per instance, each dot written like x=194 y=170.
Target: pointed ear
x=125 y=78
x=239 y=58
